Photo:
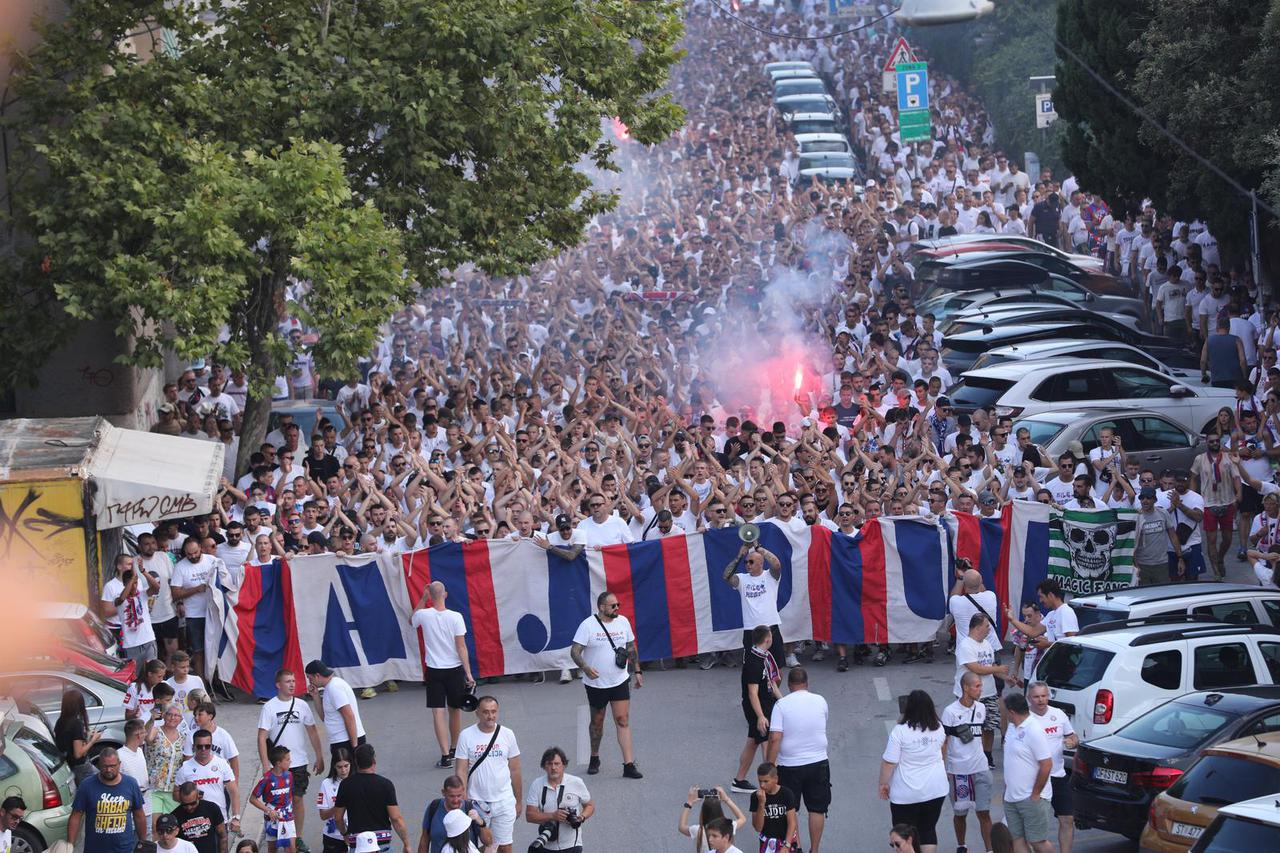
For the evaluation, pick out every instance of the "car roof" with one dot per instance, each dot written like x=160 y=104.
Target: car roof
x=813 y=117
x=1086 y=413
x=1028 y=349
x=1147 y=632
x=1019 y=369
x=1254 y=746
x=1239 y=699
x=802 y=96
x=821 y=137
x=1161 y=592
x=1011 y=330
x=1265 y=809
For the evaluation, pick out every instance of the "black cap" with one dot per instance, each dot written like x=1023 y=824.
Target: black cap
x=166 y=823
x=943 y=401
x=562 y=521
x=319 y=667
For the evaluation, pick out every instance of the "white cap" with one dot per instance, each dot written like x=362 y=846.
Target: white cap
x=366 y=842
x=456 y=822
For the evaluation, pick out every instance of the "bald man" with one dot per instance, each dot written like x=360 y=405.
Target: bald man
x=968 y=597
x=446 y=666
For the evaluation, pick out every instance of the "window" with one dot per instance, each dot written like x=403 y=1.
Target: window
x=1271 y=607
x=1134 y=384
x=1263 y=725
x=7 y=768
x=1093 y=435
x=1231 y=612
x=1070 y=666
x=1222 y=665
x=1177 y=725
x=44 y=691
x=974 y=392
x=1219 y=780
x=1124 y=354
x=1230 y=834
x=1158 y=434
x=1271 y=657
x=1076 y=386
x=41 y=748
x=1163 y=669
x=1045 y=431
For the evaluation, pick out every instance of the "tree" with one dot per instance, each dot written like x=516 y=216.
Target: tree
x=364 y=146
x=1102 y=144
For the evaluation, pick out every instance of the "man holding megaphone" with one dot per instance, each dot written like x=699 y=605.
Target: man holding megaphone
x=758 y=590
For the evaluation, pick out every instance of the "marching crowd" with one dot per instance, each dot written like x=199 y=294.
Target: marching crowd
x=723 y=348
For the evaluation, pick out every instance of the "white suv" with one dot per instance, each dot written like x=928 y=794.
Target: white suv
x=1112 y=673
x=1233 y=603
x=1251 y=825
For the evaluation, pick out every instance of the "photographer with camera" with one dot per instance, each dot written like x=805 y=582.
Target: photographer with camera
x=559 y=803
x=125 y=609
x=604 y=647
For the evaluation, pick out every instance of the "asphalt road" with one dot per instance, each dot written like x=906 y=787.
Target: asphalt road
x=688 y=730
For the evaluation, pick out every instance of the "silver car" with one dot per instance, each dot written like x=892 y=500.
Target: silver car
x=1072 y=348
x=43 y=687
x=1146 y=436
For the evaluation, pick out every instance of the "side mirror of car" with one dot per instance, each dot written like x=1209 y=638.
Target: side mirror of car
x=1179 y=391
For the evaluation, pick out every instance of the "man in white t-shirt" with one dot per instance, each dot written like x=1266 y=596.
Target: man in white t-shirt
x=286 y=720
x=974 y=654
x=967 y=765
x=233 y=552
x=602 y=528
x=164 y=615
x=212 y=776
x=124 y=604
x=338 y=710
x=798 y=746
x=1027 y=764
x=446 y=666
x=192 y=575
x=133 y=763
x=1057 y=728
x=758 y=591
x=604 y=648
x=495 y=785
x=1060 y=620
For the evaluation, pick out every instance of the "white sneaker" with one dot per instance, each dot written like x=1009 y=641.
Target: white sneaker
x=792 y=660
x=565 y=676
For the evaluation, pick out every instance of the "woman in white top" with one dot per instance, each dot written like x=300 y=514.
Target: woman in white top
x=711 y=808
x=457 y=824
x=326 y=800
x=913 y=776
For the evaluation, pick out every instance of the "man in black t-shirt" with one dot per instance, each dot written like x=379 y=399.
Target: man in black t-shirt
x=773 y=811
x=366 y=802
x=760 y=690
x=200 y=821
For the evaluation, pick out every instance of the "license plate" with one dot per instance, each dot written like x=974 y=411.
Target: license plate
x=1106 y=774
x=1186 y=830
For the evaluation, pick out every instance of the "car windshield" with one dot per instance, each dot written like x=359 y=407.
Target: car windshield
x=819 y=147
x=1177 y=725
x=976 y=392
x=845 y=162
x=1237 y=835
x=40 y=748
x=806 y=105
x=813 y=126
x=1071 y=666
x=103 y=660
x=1043 y=430
x=1219 y=780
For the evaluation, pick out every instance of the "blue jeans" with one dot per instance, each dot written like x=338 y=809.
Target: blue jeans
x=1194 y=559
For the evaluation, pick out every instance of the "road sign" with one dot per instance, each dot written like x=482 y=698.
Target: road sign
x=913 y=86
x=914 y=126
x=1045 y=113
x=850 y=9
x=901 y=52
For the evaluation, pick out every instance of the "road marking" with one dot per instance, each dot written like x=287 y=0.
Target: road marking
x=584 y=734
x=882 y=688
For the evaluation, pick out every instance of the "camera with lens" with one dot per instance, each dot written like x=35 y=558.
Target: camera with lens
x=572 y=818
x=548 y=830
x=620 y=658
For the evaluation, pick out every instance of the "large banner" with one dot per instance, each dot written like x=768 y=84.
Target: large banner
x=522 y=604
x=1092 y=551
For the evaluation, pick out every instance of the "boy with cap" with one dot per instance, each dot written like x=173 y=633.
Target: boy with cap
x=167 y=836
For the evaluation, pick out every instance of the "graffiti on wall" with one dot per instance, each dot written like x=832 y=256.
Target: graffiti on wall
x=42 y=534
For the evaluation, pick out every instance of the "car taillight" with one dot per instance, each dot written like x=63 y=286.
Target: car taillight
x=1008 y=411
x=1103 y=706
x=1161 y=778
x=50 y=796
x=1081 y=768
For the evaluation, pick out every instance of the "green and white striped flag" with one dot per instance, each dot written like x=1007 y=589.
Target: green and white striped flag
x=1091 y=551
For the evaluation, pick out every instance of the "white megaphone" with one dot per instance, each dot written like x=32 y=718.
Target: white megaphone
x=927 y=13
x=749 y=533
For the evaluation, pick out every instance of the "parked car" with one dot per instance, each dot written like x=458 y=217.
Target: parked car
x=1022 y=389
x=69 y=653
x=1226 y=773
x=960 y=351
x=1117 y=777
x=1112 y=673
x=1253 y=825
x=1027 y=269
x=32 y=768
x=823 y=143
x=1020 y=312
x=962 y=242
x=931 y=264
x=784 y=86
x=805 y=123
x=43 y=687
x=1187 y=372
x=77 y=623
x=945 y=306
x=1152 y=439
x=790 y=66
x=828 y=174
x=789 y=105
x=1232 y=603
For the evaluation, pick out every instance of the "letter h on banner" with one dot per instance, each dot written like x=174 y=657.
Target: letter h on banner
x=373 y=627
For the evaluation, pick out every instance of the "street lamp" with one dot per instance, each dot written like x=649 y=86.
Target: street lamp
x=927 y=13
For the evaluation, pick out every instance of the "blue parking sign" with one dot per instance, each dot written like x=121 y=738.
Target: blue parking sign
x=913 y=86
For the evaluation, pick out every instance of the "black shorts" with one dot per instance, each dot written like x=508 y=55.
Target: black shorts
x=752 y=731
x=1063 y=805
x=445 y=687
x=810 y=783
x=166 y=630
x=923 y=816
x=301 y=780
x=600 y=697
x=195 y=635
x=1250 y=499
x=334 y=845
